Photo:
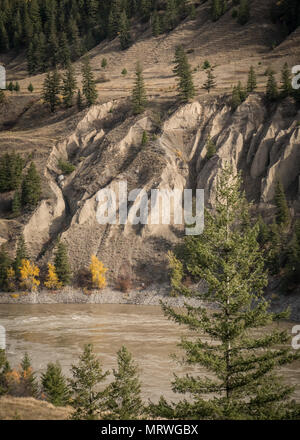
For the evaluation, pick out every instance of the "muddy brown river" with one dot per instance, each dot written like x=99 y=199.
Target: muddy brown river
x=59 y=332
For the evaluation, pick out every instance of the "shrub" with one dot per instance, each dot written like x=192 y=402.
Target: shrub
x=66 y=167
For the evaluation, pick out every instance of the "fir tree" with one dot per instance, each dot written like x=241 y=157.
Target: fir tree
x=30 y=88
x=21 y=254
x=251 y=84
x=124 y=393
x=243 y=382
x=4 y=369
x=69 y=86
x=54 y=385
x=16 y=205
x=282 y=209
x=31 y=187
x=87 y=400
x=61 y=264
x=51 y=90
x=139 y=99
x=272 y=89
x=292 y=269
x=17 y=87
x=156 y=30
x=79 y=102
x=286 y=81
x=183 y=71
x=5 y=264
x=64 y=51
x=243 y=12
x=210 y=81
x=88 y=83
x=124 y=31
x=235 y=98
x=216 y=10
x=28 y=381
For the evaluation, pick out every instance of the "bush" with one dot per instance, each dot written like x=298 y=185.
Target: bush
x=66 y=167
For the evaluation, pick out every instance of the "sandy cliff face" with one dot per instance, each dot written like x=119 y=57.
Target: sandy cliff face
x=263 y=142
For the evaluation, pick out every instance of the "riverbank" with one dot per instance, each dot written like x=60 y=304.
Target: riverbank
x=151 y=296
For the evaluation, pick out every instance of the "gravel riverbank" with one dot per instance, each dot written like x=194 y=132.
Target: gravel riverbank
x=150 y=296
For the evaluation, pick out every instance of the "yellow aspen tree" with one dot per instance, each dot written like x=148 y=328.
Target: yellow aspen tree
x=52 y=281
x=98 y=272
x=29 y=273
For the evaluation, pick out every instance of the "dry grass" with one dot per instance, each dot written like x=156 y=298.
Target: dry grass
x=27 y=408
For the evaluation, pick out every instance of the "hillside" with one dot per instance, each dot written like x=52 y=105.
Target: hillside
x=104 y=141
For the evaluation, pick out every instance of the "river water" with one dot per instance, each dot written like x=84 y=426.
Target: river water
x=59 y=332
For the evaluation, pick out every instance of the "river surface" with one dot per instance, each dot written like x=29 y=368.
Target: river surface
x=59 y=332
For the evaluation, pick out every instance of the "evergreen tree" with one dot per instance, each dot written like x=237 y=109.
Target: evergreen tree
x=170 y=17
x=51 y=90
x=243 y=383
x=16 y=205
x=30 y=88
x=21 y=254
x=286 y=81
x=31 y=187
x=156 y=30
x=282 y=209
x=216 y=10
x=2 y=97
x=139 y=99
x=243 y=12
x=292 y=269
x=145 y=138
x=88 y=83
x=64 y=51
x=183 y=71
x=61 y=264
x=210 y=81
x=104 y=63
x=54 y=385
x=4 y=369
x=5 y=264
x=69 y=86
x=28 y=381
x=251 y=84
x=124 y=393
x=124 y=31
x=272 y=89
x=210 y=148
x=79 y=101
x=17 y=87
x=87 y=376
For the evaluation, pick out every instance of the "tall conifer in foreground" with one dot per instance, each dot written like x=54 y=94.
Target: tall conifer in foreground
x=54 y=385
x=139 y=98
x=232 y=341
x=87 y=400
x=69 y=86
x=31 y=187
x=124 y=393
x=282 y=209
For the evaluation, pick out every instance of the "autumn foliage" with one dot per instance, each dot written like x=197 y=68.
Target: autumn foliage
x=98 y=272
x=52 y=282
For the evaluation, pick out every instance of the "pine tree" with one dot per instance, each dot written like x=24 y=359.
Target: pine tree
x=69 y=86
x=88 y=83
x=286 y=81
x=64 y=51
x=5 y=264
x=292 y=269
x=87 y=400
x=2 y=98
x=282 y=209
x=104 y=63
x=210 y=81
x=170 y=17
x=210 y=148
x=4 y=369
x=28 y=381
x=21 y=254
x=243 y=12
x=183 y=72
x=235 y=98
x=54 y=385
x=30 y=88
x=272 y=89
x=216 y=10
x=61 y=264
x=16 y=205
x=31 y=187
x=251 y=84
x=139 y=99
x=124 y=31
x=242 y=382
x=156 y=30
x=51 y=90
x=124 y=393
x=79 y=102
